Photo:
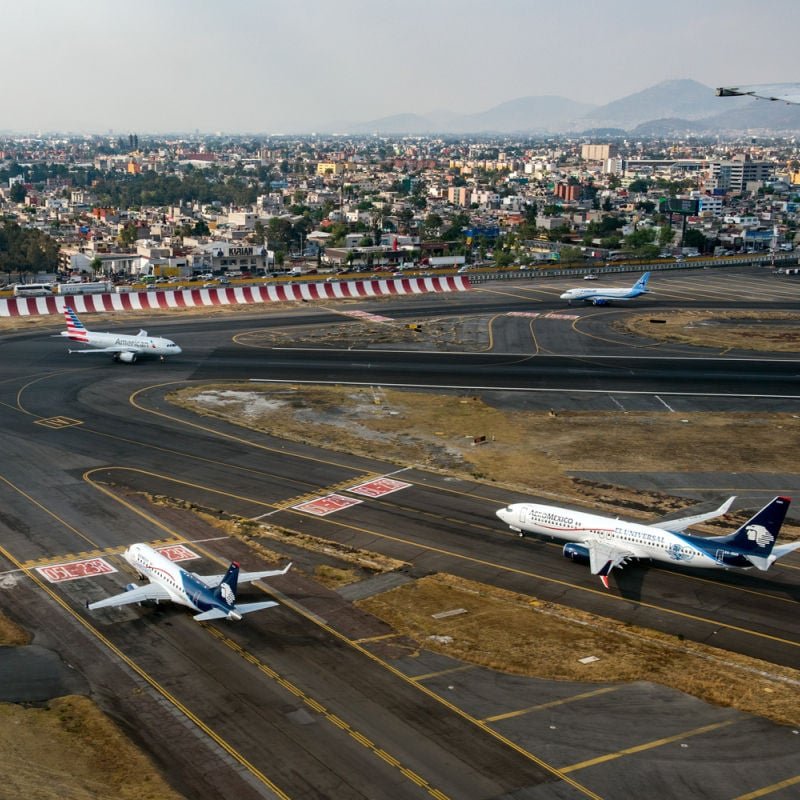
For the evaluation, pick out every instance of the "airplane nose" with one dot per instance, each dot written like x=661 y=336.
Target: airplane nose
x=564 y=296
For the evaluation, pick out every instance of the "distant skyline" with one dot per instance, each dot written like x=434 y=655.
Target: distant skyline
x=259 y=66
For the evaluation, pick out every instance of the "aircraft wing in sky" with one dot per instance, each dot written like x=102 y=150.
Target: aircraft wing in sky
x=785 y=92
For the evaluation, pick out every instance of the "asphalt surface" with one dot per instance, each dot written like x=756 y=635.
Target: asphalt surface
x=313 y=699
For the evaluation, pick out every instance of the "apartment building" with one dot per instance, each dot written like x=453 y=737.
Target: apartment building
x=598 y=152
x=735 y=174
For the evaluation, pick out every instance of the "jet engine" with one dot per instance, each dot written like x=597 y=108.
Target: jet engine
x=576 y=552
x=127 y=358
x=129 y=587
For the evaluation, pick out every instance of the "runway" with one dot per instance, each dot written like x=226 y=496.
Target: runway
x=296 y=702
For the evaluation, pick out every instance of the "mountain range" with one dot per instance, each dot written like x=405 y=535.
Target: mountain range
x=668 y=108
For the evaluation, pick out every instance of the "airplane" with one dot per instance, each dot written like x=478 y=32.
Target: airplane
x=123 y=348
x=606 y=543
x=214 y=596
x=600 y=296
x=784 y=92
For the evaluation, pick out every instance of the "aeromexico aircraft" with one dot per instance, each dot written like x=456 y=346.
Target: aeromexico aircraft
x=213 y=596
x=123 y=348
x=606 y=543
x=601 y=296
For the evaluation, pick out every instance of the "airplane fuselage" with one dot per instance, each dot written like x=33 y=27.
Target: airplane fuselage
x=599 y=296
x=641 y=541
x=183 y=587
x=141 y=345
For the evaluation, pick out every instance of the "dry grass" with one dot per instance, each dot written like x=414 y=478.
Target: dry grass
x=529 y=451
x=335 y=577
x=11 y=634
x=761 y=331
x=254 y=533
x=516 y=634
x=70 y=749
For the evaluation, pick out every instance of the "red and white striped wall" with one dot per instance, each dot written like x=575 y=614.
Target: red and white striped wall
x=198 y=298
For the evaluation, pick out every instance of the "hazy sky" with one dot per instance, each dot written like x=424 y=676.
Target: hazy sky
x=273 y=67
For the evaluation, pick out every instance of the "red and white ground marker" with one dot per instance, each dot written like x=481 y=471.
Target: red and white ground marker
x=177 y=552
x=379 y=487
x=322 y=506
x=74 y=570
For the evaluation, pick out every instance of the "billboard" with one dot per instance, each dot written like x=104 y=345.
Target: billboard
x=679 y=205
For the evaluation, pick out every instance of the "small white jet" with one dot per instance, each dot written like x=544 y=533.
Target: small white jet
x=782 y=92
x=602 y=295
x=214 y=596
x=606 y=543
x=123 y=348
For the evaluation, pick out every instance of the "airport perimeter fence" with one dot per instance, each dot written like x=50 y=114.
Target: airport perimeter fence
x=788 y=260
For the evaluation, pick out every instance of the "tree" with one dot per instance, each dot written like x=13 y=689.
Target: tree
x=18 y=192
x=200 y=228
x=695 y=238
x=570 y=254
x=640 y=238
x=259 y=231
x=639 y=185
x=503 y=258
x=127 y=236
x=432 y=224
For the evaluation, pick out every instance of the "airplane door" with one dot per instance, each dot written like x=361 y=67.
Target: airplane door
x=522 y=512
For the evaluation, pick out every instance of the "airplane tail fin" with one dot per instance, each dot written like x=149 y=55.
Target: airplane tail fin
x=75 y=328
x=641 y=284
x=226 y=591
x=756 y=538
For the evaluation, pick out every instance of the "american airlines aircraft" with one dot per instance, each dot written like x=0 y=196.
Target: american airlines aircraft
x=123 y=348
x=214 y=596
x=606 y=543
x=601 y=296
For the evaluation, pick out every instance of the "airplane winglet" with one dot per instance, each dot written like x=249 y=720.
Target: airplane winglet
x=605 y=571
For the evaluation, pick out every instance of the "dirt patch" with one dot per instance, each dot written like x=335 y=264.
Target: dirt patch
x=254 y=534
x=517 y=634
x=68 y=748
x=86 y=755
x=443 y=333
x=528 y=451
x=11 y=634
x=760 y=331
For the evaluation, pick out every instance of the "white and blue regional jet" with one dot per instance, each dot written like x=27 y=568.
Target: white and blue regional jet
x=603 y=295
x=213 y=596
x=606 y=543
